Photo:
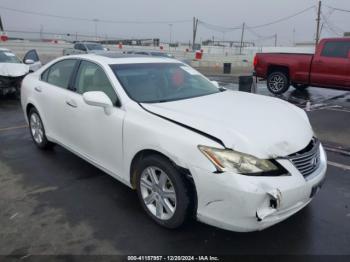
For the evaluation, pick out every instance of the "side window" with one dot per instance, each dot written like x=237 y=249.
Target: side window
x=338 y=49
x=60 y=73
x=91 y=77
x=44 y=75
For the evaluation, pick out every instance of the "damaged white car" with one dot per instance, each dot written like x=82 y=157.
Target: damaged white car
x=12 y=70
x=189 y=148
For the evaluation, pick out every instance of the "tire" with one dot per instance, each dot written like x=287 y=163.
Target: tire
x=300 y=87
x=278 y=83
x=37 y=130
x=169 y=203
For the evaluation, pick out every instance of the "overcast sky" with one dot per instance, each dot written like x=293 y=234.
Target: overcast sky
x=227 y=13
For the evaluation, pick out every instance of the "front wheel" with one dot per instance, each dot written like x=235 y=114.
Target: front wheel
x=163 y=192
x=278 y=83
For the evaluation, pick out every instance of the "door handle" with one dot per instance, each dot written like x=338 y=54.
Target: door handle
x=38 y=89
x=72 y=103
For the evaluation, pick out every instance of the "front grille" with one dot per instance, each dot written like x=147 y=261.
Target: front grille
x=308 y=159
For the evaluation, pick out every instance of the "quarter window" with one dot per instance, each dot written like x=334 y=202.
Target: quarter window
x=338 y=49
x=91 y=77
x=60 y=73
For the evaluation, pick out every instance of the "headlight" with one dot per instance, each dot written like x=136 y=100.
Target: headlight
x=229 y=160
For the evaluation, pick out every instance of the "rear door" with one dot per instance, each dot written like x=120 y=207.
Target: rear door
x=331 y=65
x=53 y=91
x=34 y=57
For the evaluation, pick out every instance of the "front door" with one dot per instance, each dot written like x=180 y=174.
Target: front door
x=96 y=135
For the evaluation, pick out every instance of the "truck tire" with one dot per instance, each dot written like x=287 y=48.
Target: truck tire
x=300 y=87
x=278 y=82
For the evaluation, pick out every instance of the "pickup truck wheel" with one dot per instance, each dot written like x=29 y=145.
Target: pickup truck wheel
x=300 y=86
x=278 y=83
x=163 y=192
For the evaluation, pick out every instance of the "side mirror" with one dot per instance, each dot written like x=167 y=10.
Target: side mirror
x=100 y=99
x=215 y=83
x=29 y=61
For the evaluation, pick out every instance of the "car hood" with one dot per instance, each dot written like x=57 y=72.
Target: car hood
x=258 y=125
x=13 y=69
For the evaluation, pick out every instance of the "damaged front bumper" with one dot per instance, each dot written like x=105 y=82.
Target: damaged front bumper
x=243 y=203
x=10 y=84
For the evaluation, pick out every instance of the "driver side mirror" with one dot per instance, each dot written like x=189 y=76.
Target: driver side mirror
x=99 y=99
x=29 y=61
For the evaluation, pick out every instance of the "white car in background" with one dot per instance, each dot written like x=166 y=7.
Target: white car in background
x=12 y=70
x=189 y=148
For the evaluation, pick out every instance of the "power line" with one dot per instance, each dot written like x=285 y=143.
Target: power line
x=227 y=29
x=93 y=20
x=284 y=18
x=218 y=27
x=338 y=9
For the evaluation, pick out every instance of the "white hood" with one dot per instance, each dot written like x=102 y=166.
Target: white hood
x=13 y=69
x=262 y=126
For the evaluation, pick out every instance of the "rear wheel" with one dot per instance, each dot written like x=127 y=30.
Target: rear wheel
x=278 y=83
x=163 y=192
x=37 y=130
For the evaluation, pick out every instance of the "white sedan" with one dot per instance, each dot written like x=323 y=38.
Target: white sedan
x=238 y=161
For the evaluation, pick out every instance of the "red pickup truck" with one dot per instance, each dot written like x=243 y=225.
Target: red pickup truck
x=329 y=67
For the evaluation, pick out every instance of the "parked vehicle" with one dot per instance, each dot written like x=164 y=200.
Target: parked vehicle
x=189 y=148
x=13 y=70
x=84 y=48
x=329 y=67
x=150 y=53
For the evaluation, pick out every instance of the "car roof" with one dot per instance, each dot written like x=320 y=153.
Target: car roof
x=4 y=49
x=111 y=58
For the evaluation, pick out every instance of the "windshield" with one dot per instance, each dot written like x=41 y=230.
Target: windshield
x=162 y=82
x=8 y=57
x=94 y=46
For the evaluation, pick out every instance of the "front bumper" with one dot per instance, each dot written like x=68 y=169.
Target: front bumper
x=244 y=203
x=10 y=84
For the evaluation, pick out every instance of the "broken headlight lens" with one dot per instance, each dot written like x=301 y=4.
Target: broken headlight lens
x=229 y=160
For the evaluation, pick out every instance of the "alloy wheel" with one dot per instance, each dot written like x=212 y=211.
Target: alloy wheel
x=276 y=83
x=36 y=127
x=158 y=193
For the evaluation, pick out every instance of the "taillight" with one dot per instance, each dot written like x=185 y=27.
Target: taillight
x=255 y=62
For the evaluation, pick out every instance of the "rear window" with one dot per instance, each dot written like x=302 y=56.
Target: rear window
x=338 y=49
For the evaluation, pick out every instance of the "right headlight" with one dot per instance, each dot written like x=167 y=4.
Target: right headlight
x=229 y=160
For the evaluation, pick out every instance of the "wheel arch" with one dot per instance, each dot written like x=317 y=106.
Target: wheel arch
x=278 y=68
x=182 y=170
x=139 y=156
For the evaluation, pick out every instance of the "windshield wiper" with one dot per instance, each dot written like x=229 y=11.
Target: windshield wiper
x=222 y=89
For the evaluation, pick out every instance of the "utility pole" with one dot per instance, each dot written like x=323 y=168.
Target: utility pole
x=41 y=31
x=195 y=25
x=275 y=40
x=318 y=20
x=242 y=38
x=170 y=34
x=96 y=21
